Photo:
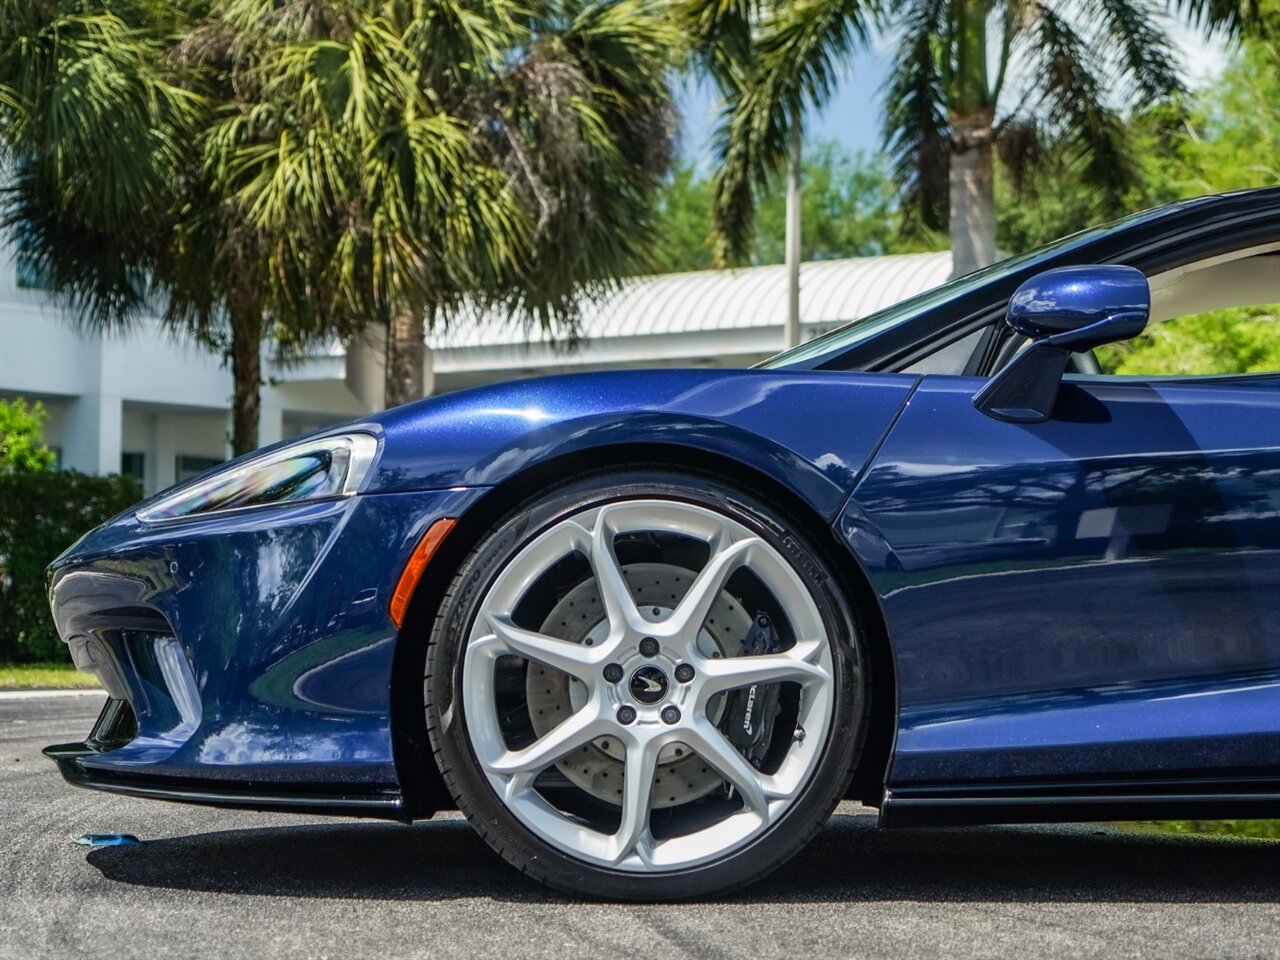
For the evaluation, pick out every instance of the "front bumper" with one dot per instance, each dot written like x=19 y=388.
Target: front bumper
x=116 y=726
x=248 y=655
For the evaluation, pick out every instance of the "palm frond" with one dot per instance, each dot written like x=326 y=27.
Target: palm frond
x=915 y=119
x=1073 y=103
x=457 y=41
x=100 y=133
x=81 y=262
x=1147 y=53
x=797 y=56
x=720 y=35
x=1234 y=17
x=581 y=125
x=1021 y=148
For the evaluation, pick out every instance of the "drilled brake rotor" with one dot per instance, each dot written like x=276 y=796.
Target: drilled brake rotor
x=552 y=696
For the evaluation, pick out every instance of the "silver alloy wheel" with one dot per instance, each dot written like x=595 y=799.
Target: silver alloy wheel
x=647 y=686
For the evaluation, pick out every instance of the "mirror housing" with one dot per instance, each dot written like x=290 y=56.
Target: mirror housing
x=1062 y=311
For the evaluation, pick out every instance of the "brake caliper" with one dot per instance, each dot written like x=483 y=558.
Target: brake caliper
x=751 y=710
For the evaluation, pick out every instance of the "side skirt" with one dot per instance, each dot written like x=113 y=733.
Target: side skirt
x=1192 y=800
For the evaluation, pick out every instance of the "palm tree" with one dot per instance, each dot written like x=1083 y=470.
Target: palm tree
x=290 y=170
x=448 y=154
x=1077 y=65
x=93 y=131
x=104 y=123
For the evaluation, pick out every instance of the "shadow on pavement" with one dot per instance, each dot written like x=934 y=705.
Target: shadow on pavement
x=849 y=860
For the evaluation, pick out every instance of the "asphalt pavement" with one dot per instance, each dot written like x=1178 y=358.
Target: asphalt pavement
x=211 y=883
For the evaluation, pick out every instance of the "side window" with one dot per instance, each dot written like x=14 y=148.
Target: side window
x=1215 y=318
x=30 y=276
x=1235 y=340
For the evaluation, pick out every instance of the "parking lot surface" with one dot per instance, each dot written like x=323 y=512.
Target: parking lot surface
x=232 y=884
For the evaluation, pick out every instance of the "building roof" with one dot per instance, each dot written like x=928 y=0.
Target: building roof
x=831 y=292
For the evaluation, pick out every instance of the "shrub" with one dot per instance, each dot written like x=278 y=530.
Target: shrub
x=22 y=448
x=41 y=514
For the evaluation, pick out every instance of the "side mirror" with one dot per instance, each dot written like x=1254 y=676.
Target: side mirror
x=1062 y=311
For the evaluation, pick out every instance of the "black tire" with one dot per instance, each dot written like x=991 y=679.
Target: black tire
x=509 y=836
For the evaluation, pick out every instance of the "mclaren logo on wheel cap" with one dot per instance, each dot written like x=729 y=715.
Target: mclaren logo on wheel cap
x=648 y=684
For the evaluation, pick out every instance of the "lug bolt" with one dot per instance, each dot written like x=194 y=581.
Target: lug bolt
x=670 y=715
x=626 y=715
x=649 y=647
x=612 y=672
x=684 y=672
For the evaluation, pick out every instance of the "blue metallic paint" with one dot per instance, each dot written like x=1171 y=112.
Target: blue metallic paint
x=1088 y=597
x=282 y=613
x=811 y=432
x=1068 y=298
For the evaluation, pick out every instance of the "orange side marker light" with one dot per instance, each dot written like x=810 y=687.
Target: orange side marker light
x=418 y=560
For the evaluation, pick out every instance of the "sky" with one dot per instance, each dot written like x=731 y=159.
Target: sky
x=852 y=118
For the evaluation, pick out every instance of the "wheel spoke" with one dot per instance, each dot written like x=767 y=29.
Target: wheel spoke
x=517 y=785
x=734 y=672
x=581 y=728
x=637 y=787
x=710 y=744
x=696 y=604
x=615 y=594
x=574 y=659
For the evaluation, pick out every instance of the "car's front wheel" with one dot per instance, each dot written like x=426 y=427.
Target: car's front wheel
x=645 y=686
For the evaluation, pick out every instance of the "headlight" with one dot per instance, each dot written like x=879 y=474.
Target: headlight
x=312 y=470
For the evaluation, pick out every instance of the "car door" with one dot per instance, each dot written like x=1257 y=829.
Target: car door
x=1094 y=598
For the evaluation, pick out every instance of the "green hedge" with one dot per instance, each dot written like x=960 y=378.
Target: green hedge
x=41 y=514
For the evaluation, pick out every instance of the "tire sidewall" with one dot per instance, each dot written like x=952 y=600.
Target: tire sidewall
x=446 y=721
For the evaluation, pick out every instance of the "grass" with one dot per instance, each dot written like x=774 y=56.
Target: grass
x=1269 y=829
x=31 y=676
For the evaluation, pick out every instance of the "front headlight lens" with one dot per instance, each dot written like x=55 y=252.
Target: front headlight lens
x=312 y=470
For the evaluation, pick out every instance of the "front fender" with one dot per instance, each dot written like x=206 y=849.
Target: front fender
x=811 y=432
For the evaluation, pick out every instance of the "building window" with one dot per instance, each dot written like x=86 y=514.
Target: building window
x=30 y=276
x=188 y=466
x=134 y=465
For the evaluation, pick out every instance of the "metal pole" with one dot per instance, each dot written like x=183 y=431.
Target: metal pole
x=793 y=241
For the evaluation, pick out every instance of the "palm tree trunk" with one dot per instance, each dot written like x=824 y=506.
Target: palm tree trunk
x=246 y=371
x=972 y=115
x=406 y=352
x=972 y=194
x=794 y=249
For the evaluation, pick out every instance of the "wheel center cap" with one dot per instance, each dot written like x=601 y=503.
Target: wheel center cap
x=649 y=685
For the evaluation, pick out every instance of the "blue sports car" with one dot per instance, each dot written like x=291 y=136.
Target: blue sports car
x=646 y=629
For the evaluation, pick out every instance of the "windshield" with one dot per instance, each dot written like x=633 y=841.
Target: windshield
x=864 y=328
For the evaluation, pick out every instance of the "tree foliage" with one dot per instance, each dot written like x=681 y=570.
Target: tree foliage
x=1062 y=71
x=105 y=120
x=22 y=446
x=289 y=170
x=1238 y=340
x=847 y=205
x=449 y=153
x=1226 y=136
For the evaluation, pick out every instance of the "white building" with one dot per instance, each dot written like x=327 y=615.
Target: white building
x=153 y=405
